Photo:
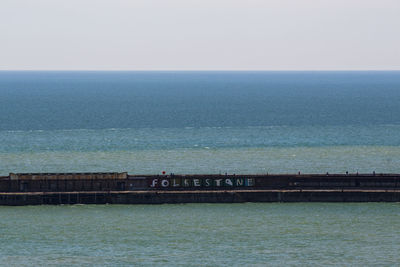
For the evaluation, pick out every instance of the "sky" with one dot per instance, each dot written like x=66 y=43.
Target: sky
x=200 y=35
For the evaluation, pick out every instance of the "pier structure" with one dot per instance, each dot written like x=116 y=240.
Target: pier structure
x=122 y=188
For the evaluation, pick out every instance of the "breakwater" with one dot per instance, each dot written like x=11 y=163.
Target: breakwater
x=122 y=188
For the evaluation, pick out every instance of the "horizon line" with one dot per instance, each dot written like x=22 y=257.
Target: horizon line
x=200 y=70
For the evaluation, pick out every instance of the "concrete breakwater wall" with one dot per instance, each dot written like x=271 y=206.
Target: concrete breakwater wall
x=174 y=197
x=121 y=188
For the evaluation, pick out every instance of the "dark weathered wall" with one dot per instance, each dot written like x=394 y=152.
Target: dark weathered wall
x=232 y=196
x=71 y=185
x=69 y=176
x=95 y=182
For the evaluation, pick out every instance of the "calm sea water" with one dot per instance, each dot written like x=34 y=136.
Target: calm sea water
x=313 y=234
x=200 y=122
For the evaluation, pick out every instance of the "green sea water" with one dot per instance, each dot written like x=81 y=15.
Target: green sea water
x=279 y=234
x=333 y=159
x=200 y=122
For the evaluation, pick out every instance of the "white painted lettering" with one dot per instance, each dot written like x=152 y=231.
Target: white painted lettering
x=217 y=182
x=175 y=183
x=196 y=182
x=154 y=183
x=250 y=182
x=186 y=182
x=164 y=183
x=239 y=182
x=228 y=182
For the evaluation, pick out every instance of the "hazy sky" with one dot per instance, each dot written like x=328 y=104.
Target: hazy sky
x=200 y=34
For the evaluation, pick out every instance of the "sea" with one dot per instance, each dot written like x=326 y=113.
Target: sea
x=185 y=122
